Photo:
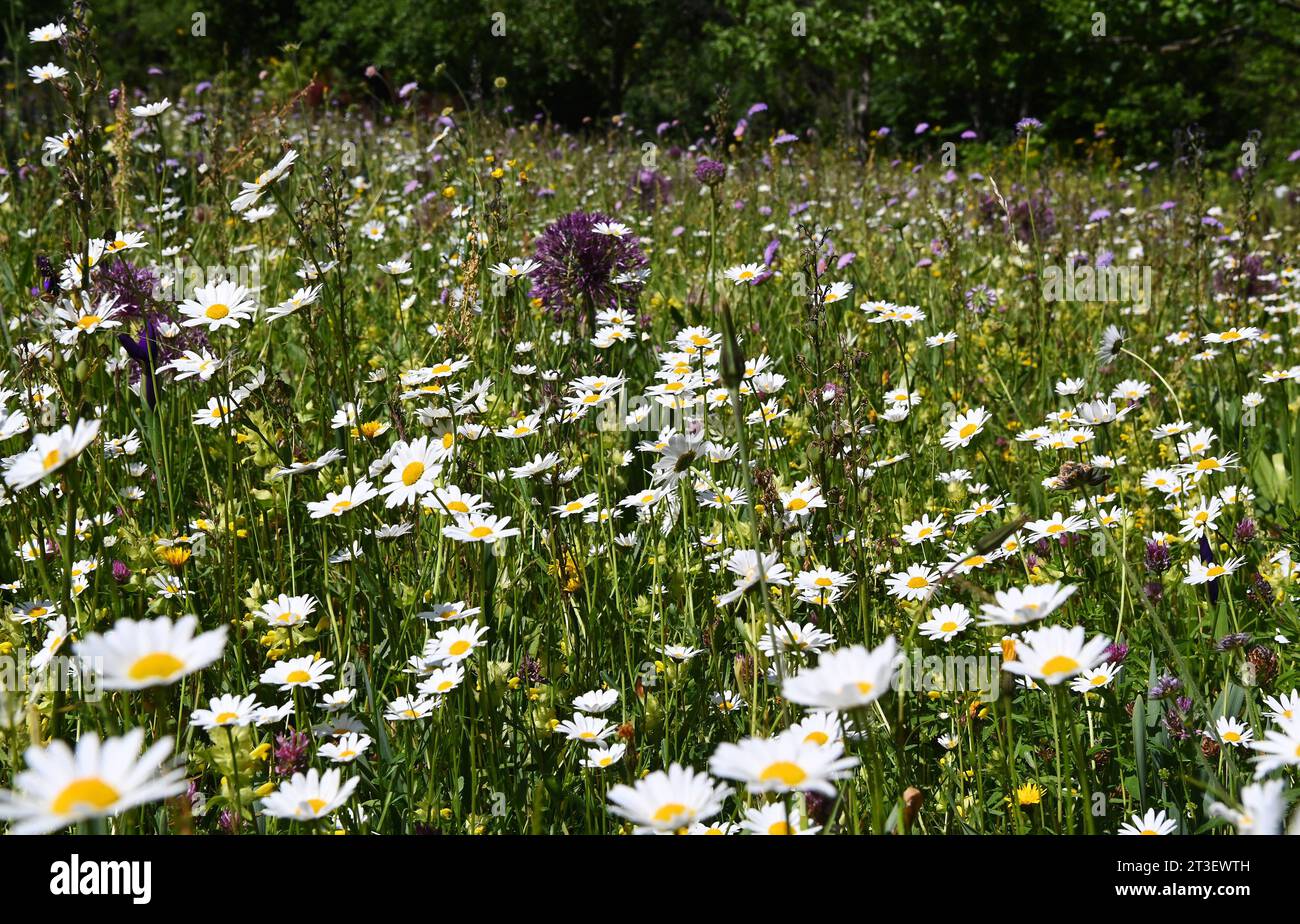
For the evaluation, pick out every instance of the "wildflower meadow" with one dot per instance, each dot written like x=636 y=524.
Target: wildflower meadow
x=405 y=461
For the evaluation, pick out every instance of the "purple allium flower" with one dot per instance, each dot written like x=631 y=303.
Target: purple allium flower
x=969 y=135
x=130 y=285
x=883 y=131
x=291 y=753
x=756 y=109
x=585 y=271
x=710 y=172
x=1028 y=125
x=921 y=128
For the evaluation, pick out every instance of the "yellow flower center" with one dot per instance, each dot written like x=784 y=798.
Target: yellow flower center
x=225 y=717
x=480 y=532
x=458 y=647
x=948 y=626
x=671 y=811
x=52 y=458
x=817 y=737
x=967 y=431
x=88 y=321
x=411 y=474
x=216 y=311
x=88 y=792
x=917 y=582
x=1059 y=665
x=298 y=676
x=160 y=665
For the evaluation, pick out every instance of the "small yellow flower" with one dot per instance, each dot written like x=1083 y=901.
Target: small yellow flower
x=261 y=752
x=175 y=555
x=1029 y=794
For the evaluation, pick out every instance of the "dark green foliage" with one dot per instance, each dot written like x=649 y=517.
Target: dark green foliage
x=847 y=68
